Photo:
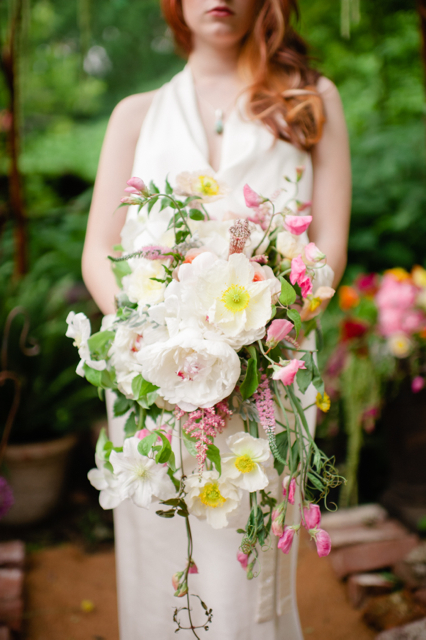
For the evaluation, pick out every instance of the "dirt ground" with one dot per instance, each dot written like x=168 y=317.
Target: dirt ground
x=63 y=584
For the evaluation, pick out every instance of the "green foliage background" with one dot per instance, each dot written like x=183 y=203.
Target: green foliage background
x=80 y=58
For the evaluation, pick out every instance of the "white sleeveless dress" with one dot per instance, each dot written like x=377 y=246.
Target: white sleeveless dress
x=150 y=549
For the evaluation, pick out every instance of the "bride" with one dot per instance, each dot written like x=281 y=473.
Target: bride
x=247 y=108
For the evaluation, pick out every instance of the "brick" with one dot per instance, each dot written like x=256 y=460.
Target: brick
x=11 y=612
x=362 y=586
x=371 y=556
x=4 y=633
x=12 y=553
x=354 y=516
x=11 y=583
x=412 y=631
x=394 y=610
x=388 y=530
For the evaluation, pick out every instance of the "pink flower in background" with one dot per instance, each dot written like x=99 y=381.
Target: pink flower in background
x=412 y=321
x=242 y=559
x=291 y=489
x=277 y=331
x=298 y=269
x=395 y=293
x=311 y=516
x=286 y=540
x=287 y=374
x=323 y=542
x=367 y=284
x=390 y=320
x=313 y=254
x=296 y=225
x=417 y=384
x=253 y=199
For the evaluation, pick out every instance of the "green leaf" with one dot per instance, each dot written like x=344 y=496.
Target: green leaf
x=303 y=379
x=281 y=439
x=318 y=484
x=151 y=203
x=293 y=464
x=100 y=343
x=146 y=401
x=318 y=383
x=195 y=214
x=109 y=467
x=107 y=379
x=166 y=450
x=252 y=351
x=102 y=440
x=288 y=294
x=309 y=326
x=295 y=317
x=166 y=514
x=189 y=443
x=92 y=375
x=319 y=337
x=251 y=379
x=130 y=427
x=213 y=454
x=153 y=187
x=169 y=189
x=121 y=404
x=145 y=445
x=120 y=269
x=141 y=387
x=165 y=202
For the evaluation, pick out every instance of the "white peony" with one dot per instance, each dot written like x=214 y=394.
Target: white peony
x=140 y=286
x=211 y=497
x=144 y=230
x=139 y=477
x=244 y=467
x=107 y=483
x=215 y=237
x=79 y=329
x=291 y=246
x=190 y=371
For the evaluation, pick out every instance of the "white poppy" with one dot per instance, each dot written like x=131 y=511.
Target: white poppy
x=107 y=483
x=200 y=183
x=211 y=497
x=244 y=467
x=139 y=477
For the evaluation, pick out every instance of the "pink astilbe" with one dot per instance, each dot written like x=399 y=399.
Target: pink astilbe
x=265 y=405
x=204 y=425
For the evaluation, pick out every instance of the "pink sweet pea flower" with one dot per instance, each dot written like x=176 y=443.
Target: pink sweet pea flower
x=277 y=331
x=313 y=254
x=296 y=225
x=298 y=269
x=137 y=184
x=253 y=199
x=311 y=516
x=291 y=489
x=323 y=542
x=286 y=540
x=242 y=559
x=417 y=384
x=302 y=206
x=305 y=285
x=193 y=567
x=287 y=374
x=142 y=433
x=277 y=526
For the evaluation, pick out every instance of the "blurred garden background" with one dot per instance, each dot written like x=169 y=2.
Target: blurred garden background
x=69 y=64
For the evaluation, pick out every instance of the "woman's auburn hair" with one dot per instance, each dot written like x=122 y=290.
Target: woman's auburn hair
x=282 y=86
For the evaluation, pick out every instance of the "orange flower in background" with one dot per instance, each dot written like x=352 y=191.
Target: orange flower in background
x=348 y=298
x=398 y=273
x=418 y=275
x=422 y=333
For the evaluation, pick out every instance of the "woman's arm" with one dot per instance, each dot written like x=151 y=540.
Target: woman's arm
x=332 y=189
x=105 y=222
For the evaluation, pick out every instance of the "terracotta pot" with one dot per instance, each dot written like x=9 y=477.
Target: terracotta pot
x=36 y=473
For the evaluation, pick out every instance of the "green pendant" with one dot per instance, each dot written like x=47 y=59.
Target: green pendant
x=218 y=125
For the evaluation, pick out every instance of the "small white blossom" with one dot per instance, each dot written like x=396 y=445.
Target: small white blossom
x=79 y=329
x=107 y=483
x=244 y=468
x=211 y=497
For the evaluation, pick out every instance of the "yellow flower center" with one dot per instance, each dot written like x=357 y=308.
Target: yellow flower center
x=211 y=496
x=207 y=186
x=314 y=303
x=244 y=464
x=323 y=402
x=236 y=298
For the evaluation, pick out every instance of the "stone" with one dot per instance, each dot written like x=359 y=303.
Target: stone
x=11 y=612
x=394 y=610
x=362 y=586
x=363 y=515
x=412 y=631
x=12 y=554
x=11 y=583
x=371 y=556
x=387 y=530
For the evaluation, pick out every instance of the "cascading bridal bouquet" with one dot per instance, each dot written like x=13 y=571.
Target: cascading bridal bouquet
x=206 y=326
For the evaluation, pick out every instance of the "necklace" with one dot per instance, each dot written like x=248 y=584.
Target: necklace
x=219 y=113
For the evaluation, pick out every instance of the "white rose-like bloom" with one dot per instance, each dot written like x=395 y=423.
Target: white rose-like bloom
x=190 y=371
x=107 y=483
x=79 y=329
x=244 y=468
x=211 y=497
x=291 y=246
x=143 y=229
x=200 y=183
x=139 y=285
x=139 y=477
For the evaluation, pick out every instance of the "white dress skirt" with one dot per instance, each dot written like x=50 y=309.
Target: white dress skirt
x=150 y=549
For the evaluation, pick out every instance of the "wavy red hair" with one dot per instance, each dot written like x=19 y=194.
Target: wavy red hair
x=274 y=58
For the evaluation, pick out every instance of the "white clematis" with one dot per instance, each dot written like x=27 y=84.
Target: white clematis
x=79 y=329
x=190 y=371
x=107 y=483
x=139 y=477
x=140 y=286
x=211 y=497
x=245 y=467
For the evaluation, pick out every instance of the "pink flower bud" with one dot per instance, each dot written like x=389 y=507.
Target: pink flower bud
x=288 y=373
x=242 y=559
x=417 y=384
x=182 y=590
x=131 y=190
x=193 y=567
x=313 y=254
x=302 y=206
x=127 y=201
x=299 y=172
x=137 y=183
x=286 y=540
x=291 y=489
x=296 y=225
x=311 y=516
x=305 y=285
x=253 y=199
x=277 y=526
x=298 y=269
x=277 y=331
x=323 y=542
x=176 y=579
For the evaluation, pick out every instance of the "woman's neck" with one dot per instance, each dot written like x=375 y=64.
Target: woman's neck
x=209 y=64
